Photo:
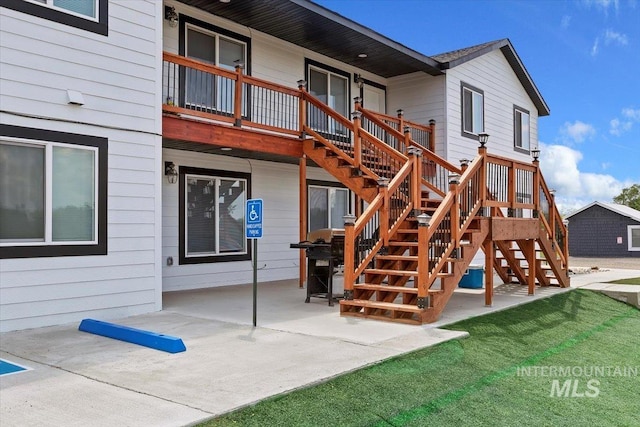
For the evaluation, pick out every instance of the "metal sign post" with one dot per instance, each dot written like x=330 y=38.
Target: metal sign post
x=253 y=227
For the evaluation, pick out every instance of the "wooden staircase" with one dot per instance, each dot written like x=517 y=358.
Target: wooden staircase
x=406 y=253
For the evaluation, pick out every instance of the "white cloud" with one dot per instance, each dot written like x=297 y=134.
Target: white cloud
x=603 y=5
x=564 y=23
x=632 y=114
x=617 y=127
x=577 y=131
x=611 y=36
x=594 y=48
x=574 y=188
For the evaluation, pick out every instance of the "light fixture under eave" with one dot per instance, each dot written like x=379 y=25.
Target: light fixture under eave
x=225 y=148
x=225 y=1
x=362 y=55
x=171 y=172
x=171 y=16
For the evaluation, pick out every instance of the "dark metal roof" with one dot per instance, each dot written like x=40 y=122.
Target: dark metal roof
x=318 y=29
x=460 y=56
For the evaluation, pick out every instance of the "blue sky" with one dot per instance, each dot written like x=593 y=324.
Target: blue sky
x=584 y=56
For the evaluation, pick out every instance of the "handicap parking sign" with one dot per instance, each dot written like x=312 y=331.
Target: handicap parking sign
x=253 y=219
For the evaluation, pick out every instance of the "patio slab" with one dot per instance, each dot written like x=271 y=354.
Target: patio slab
x=84 y=379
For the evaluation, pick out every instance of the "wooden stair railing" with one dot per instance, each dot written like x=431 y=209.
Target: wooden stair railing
x=390 y=163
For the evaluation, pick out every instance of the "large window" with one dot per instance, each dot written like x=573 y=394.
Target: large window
x=90 y=15
x=52 y=194
x=327 y=206
x=472 y=111
x=521 y=129
x=331 y=86
x=634 y=237
x=212 y=216
x=204 y=91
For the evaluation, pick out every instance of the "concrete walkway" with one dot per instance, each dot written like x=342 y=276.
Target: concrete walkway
x=79 y=379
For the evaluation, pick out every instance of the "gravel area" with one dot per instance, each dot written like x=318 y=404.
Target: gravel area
x=632 y=263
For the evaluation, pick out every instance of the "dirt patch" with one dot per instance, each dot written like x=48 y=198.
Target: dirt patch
x=580 y=263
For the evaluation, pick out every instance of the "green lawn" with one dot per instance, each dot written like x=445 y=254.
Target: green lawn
x=632 y=281
x=480 y=380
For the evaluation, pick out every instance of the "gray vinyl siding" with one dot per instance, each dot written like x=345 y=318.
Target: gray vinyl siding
x=278 y=185
x=594 y=232
x=117 y=75
x=492 y=74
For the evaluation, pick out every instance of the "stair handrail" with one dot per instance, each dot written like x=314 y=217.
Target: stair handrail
x=353 y=127
x=429 y=158
x=375 y=218
x=555 y=227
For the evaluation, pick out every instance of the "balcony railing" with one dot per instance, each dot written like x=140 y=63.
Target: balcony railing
x=193 y=88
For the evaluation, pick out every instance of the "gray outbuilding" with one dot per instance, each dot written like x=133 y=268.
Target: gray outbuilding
x=604 y=230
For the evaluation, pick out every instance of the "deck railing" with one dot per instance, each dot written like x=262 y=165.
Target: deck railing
x=396 y=153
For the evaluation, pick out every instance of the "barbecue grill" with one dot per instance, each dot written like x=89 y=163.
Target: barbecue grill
x=325 y=251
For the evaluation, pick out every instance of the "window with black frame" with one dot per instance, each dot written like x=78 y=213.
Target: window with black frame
x=212 y=216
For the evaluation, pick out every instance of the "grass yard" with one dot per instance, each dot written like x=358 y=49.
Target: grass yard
x=632 y=281
x=482 y=380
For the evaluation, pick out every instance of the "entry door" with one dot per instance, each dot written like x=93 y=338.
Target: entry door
x=374 y=99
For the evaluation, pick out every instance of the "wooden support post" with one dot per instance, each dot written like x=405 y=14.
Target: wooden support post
x=489 y=254
x=303 y=216
x=482 y=152
x=415 y=156
x=383 y=183
x=357 y=141
x=302 y=106
x=349 y=255
x=565 y=250
x=407 y=139
x=432 y=135
x=454 y=182
x=237 y=101
x=536 y=188
x=512 y=189
x=423 y=260
x=401 y=125
x=530 y=255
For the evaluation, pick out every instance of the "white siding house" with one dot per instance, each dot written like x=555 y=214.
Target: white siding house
x=67 y=80
x=93 y=79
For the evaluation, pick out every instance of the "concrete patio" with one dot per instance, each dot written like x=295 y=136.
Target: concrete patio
x=79 y=379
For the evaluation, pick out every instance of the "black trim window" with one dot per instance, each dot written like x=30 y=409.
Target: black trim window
x=521 y=129
x=52 y=193
x=634 y=237
x=328 y=204
x=217 y=46
x=332 y=87
x=212 y=216
x=89 y=15
x=472 y=111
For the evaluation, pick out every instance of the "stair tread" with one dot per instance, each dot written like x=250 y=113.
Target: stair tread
x=397 y=257
x=383 y=305
x=401 y=243
x=372 y=287
x=390 y=272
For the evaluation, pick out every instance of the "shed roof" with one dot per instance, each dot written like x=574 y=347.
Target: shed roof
x=614 y=207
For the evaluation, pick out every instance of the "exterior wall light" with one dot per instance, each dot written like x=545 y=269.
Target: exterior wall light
x=171 y=172
x=536 y=154
x=483 y=138
x=171 y=16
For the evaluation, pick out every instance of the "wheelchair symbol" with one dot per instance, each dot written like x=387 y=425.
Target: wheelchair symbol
x=253 y=215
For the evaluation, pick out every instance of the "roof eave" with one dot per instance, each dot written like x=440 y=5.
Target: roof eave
x=516 y=64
